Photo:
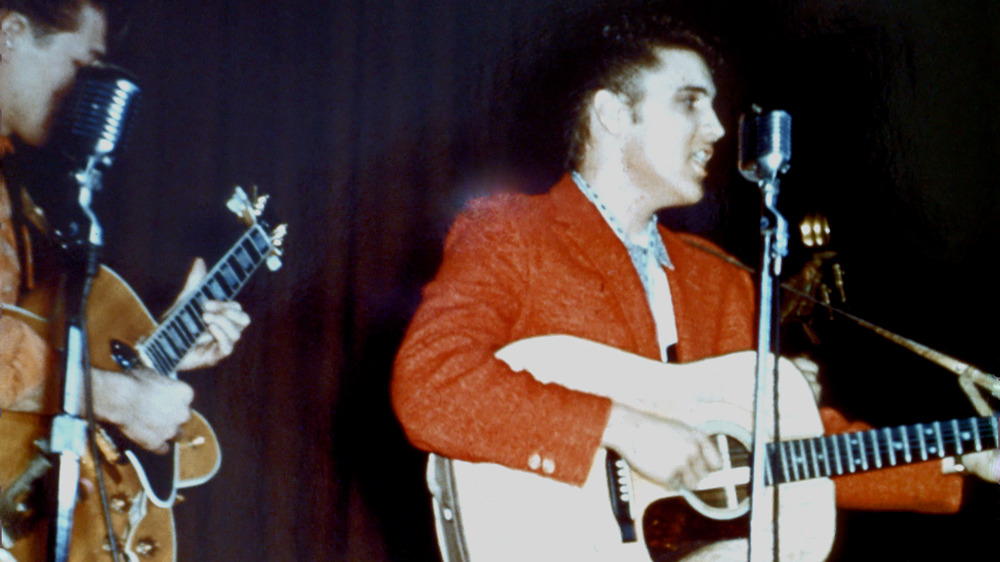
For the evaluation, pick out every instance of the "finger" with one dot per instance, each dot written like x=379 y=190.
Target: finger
x=224 y=332
x=691 y=476
x=223 y=340
x=698 y=469
x=676 y=482
x=232 y=309
x=204 y=339
x=710 y=453
x=233 y=317
x=229 y=315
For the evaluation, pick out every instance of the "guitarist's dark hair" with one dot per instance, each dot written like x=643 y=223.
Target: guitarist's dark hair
x=50 y=16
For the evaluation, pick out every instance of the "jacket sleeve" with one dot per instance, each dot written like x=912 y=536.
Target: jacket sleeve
x=450 y=393
x=24 y=360
x=918 y=487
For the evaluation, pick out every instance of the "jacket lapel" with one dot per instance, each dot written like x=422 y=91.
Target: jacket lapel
x=596 y=247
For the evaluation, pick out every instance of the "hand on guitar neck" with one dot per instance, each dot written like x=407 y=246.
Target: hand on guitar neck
x=224 y=323
x=985 y=465
x=150 y=408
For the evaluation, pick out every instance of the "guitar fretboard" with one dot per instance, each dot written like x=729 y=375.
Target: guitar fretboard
x=850 y=453
x=175 y=336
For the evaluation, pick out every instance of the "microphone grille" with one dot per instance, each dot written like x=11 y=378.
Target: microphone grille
x=97 y=114
x=765 y=144
x=776 y=133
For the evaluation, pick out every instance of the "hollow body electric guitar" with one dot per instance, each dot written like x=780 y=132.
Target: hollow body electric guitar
x=123 y=335
x=505 y=514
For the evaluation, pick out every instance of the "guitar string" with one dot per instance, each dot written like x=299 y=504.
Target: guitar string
x=217 y=275
x=912 y=440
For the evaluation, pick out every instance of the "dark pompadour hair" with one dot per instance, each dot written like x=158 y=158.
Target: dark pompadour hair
x=615 y=47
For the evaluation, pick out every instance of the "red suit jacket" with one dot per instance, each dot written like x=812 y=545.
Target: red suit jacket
x=517 y=266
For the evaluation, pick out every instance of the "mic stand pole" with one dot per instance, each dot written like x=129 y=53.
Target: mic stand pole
x=67 y=441
x=774 y=232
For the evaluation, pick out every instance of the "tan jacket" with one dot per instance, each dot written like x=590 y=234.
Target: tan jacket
x=25 y=358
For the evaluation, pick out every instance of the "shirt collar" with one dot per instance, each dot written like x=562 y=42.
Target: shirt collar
x=653 y=246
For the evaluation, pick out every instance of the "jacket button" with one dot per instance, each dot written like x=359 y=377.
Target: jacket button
x=535 y=461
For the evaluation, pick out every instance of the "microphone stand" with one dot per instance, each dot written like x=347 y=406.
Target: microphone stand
x=82 y=240
x=765 y=150
x=774 y=234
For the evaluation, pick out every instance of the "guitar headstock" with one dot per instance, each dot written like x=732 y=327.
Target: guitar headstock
x=249 y=209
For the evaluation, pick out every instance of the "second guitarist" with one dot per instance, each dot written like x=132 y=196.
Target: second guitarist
x=41 y=46
x=148 y=409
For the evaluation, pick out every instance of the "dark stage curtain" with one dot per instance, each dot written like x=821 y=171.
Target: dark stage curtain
x=370 y=122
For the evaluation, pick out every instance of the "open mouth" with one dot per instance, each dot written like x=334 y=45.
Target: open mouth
x=701 y=158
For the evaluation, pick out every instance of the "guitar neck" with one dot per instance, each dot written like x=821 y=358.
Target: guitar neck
x=175 y=336
x=851 y=453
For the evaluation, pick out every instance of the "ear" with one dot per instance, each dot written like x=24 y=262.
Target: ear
x=13 y=25
x=609 y=111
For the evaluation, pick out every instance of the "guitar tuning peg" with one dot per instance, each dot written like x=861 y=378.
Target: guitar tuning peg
x=277 y=241
x=278 y=235
x=238 y=201
x=240 y=205
x=259 y=204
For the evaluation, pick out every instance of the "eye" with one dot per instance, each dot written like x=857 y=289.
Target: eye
x=691 y=96
x=689 y=102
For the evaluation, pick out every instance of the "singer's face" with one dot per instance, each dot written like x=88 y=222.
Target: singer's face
x=674 y=128
x=38 y=71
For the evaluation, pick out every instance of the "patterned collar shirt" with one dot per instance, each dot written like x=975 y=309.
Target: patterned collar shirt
x=649 y=257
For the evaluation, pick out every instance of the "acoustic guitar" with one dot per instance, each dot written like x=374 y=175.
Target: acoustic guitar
x=142 y=486
x=505 y=514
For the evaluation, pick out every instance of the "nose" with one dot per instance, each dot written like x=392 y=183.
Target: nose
x=712 y=128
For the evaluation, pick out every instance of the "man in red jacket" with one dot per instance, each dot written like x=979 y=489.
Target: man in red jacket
x=588 y=260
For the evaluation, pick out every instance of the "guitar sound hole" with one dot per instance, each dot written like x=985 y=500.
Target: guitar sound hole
x=674 y=530
x=730 y=486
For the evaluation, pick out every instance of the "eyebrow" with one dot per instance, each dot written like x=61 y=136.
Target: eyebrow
x=709 y=92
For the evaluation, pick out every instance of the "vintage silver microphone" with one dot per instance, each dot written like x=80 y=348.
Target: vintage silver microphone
x=88 y=133
x=765 y=145
x=93 y=121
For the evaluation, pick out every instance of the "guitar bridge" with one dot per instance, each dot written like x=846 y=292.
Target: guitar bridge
x=620 y=491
